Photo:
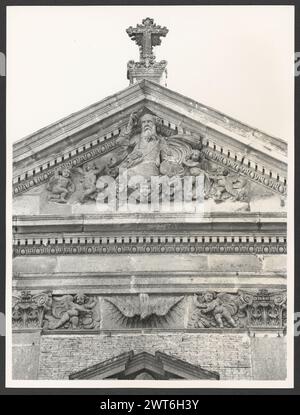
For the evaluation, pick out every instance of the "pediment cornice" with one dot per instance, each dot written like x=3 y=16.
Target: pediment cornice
x=128 y=365
x=92 y=132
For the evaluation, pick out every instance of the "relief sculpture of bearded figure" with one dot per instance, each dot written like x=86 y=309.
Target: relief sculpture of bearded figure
x=150 y=149
x=150 y=154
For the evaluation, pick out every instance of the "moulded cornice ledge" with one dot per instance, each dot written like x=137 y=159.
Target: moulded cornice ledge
x=155 y=222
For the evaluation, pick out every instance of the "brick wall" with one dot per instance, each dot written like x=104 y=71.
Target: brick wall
x=228 y=354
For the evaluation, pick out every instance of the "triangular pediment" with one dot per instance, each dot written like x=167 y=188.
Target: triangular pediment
x=98 y=123
x=144 y=366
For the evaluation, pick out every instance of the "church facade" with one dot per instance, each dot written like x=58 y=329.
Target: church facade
x=111 y=282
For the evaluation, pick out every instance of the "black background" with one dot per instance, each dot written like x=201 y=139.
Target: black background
x=91 y=398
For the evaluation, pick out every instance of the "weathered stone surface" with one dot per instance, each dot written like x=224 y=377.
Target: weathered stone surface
x=132 y=264
x=41 y=264
x=228 y=354
x=26 y=205
x=150 y=282
x=275 y=264
x=237 y=263
x=268 y=355
x=26 y=355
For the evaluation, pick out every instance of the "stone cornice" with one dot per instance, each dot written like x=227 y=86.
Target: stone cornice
x=93 y=113
x=134 y=234
x=112 y=283
x=155 y=92
x=80 y=120
x=126 y=222
x=260 y=157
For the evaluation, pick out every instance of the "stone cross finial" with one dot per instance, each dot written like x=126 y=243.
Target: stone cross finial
x=147 y=35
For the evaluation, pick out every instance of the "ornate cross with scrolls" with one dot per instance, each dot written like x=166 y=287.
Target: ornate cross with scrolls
x=147 y=35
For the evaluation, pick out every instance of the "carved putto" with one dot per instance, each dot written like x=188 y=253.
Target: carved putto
x=143 y=310
x=146 y=149
x=73 y=312
x=89 y=174
x=224 y=185
x=217 y=309
x=60 y=186
x=242 y=309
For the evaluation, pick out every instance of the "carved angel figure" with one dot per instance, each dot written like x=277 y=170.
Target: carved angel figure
x=143 y=310
x=223 y=307
x=226 y=185
x=75 y=312
x=60 y=186
x=91 y=175
x=196 y=165
x=89 y=178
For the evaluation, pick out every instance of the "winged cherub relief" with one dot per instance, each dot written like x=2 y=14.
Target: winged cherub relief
x=144 y=149
x=60 y=186
x=218 y=310
x=143 y=310
x=77 y=311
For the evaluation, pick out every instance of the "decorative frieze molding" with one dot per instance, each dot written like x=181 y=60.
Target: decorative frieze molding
x=212 y=310
x=269 y=180
x=41 y=175
x=91 y=245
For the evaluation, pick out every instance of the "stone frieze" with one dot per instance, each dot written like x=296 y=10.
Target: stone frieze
x=206 y=310
x=264 y=245
x=261 y=309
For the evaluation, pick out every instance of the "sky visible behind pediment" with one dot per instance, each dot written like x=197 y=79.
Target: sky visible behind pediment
x=238 y=60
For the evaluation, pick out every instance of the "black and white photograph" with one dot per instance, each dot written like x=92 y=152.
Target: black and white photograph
x=150 y=193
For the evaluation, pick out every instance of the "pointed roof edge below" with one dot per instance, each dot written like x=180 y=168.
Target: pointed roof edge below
x=130 y=363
